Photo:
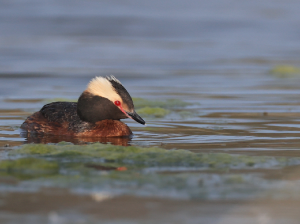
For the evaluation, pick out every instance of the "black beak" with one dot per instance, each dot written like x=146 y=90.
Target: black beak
x=136 y=117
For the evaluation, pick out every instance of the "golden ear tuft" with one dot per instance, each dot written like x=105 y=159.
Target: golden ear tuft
x=101 y=86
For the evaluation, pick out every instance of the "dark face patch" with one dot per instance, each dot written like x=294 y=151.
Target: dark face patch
x=94 y=108
x=119 y=88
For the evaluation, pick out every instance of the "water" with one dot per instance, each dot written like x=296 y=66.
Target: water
x=215 y=55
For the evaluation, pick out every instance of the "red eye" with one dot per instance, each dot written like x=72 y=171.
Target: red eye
x=117 y=103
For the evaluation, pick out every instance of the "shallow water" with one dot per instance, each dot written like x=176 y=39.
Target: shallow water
x=241 y=116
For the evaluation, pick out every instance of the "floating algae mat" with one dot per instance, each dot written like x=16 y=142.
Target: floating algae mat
x=159 y=109
x=153 y=111
x=27 y=168
x=143 y=171
x=148 y=157
x=284 y=71
x=28 y=165
x=167 y=104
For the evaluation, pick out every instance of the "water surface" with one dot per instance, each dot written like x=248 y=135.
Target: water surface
x=215 y=56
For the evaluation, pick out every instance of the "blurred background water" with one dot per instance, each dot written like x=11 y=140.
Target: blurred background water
x=146 y=38
x=217 y=55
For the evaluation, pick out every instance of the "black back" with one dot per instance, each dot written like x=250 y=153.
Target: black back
x=60 y=112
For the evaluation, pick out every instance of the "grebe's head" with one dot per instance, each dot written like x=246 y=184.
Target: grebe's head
x=106 y=98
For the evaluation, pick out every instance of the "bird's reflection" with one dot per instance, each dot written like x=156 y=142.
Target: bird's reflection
x=44 y=139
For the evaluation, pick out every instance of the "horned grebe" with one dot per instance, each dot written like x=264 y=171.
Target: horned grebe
x=96 y=114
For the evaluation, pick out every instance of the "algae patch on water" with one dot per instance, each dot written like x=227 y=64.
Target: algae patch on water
x=167 y=104
x=146 y=157
x=284 y=71
x=153 y=111
x=29 y=165
x=39 y=149
x=148 y=171
x=159 y=109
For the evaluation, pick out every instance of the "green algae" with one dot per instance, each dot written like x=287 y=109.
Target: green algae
x=284 y=71
x=38 y=149
x=145 y=157
x=167 y=104
x=153 y=111
x=29 y=165
x=159 y=109
x=153 y=170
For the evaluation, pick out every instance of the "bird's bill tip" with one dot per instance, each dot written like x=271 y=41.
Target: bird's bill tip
x=136 y=117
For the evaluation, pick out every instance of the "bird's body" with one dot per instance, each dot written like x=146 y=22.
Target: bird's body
x=96 y=114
